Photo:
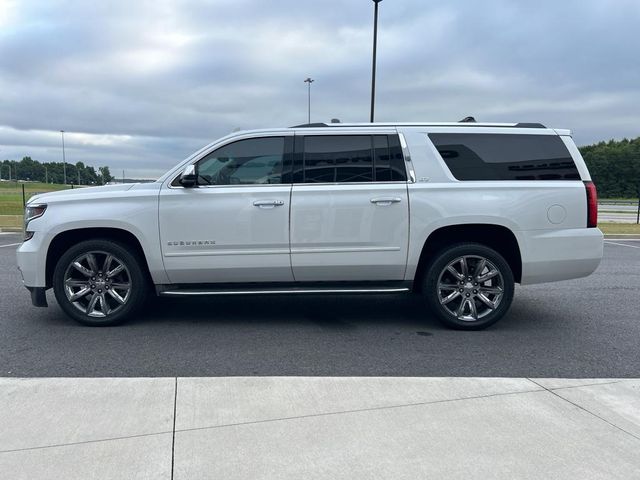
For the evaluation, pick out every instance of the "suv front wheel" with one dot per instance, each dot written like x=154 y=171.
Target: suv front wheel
x=469 y=286
x=99 y=283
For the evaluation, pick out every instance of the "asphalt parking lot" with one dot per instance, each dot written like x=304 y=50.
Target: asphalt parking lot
x=575 y=329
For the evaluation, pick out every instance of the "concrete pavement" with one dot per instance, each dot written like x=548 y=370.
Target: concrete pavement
x=319 y=427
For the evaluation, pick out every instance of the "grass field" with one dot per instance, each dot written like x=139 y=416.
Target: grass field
x=618 y=228
x=30 y=187
x=629 y=200
x=11 y=195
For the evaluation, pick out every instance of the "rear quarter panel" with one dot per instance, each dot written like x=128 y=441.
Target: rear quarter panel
x=546 y=217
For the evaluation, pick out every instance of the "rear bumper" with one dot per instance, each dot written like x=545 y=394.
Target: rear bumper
x=550 y=256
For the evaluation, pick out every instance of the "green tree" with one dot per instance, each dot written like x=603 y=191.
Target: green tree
x=105 y=175
x=614 y=167
x=53 y=172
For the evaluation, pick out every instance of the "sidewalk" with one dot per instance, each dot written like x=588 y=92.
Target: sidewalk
x=319 y=427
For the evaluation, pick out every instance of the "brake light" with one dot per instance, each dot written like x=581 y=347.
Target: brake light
x=592 y=204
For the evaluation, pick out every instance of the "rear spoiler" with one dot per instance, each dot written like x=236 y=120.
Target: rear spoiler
x=563 y=132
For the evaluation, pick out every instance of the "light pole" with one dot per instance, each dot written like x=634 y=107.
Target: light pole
x=64 y=160
x=373 y=67
x=309 y=81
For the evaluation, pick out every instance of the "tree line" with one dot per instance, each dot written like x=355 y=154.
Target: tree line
x=614 y=167
x=28 y=169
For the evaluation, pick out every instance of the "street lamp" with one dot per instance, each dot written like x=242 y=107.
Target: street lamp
x=309 y=81
x=373 y=68
x=64 y=161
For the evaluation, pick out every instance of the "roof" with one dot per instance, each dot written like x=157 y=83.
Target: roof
x=422 y=124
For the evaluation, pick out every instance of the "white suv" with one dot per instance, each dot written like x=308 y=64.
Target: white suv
x=458 y=212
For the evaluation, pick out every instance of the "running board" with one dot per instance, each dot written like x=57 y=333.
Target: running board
x=186 y=292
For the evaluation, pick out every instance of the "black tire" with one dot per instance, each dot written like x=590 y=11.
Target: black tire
x=475 y=313
x=109 y=290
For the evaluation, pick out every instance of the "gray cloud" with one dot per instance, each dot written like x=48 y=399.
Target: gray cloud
x=139 y=85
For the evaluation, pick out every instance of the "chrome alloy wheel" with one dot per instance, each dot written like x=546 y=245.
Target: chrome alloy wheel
x=470 y=287
x=97 y=283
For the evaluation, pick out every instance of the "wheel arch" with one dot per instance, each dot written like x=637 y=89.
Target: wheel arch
x=498 y=237
x=64 y=240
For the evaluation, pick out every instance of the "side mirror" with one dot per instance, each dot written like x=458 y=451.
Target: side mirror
x=188 y=177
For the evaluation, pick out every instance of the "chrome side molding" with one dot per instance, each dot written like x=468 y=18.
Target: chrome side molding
x=283 y=291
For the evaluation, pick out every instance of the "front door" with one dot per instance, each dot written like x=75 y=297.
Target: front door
x=234 y=225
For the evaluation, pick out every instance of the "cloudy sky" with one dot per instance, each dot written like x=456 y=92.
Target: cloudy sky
x=138 y=85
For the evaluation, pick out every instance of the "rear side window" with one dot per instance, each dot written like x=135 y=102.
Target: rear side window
x=480 y=156
x=350 y=158
x=389 y=162
x=339 y=158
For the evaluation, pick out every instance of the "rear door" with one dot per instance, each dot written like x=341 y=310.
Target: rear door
x=349 y=208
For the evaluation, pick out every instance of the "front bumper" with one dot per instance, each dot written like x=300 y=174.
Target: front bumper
x=31 y=270
x=32 y=262
x=38 y=296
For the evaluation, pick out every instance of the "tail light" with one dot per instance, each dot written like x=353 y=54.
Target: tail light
x=592 y=204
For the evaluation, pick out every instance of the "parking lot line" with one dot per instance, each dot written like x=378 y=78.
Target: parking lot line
x=621 y=244
x=10 y=245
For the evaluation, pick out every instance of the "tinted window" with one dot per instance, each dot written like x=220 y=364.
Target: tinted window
x=505 y=156
x=251 y=161
x=389 y=162
x=351 y=158
x=339 y=158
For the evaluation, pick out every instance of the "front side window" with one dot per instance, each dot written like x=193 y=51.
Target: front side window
x=245 y=162
x=483 y=156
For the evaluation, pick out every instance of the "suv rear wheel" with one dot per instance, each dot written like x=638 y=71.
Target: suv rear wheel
x=99 y=283
x=469 y=286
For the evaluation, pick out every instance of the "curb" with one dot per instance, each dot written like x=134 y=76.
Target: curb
x=622 y=236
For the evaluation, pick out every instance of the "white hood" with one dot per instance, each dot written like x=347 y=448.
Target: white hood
x=87 y=192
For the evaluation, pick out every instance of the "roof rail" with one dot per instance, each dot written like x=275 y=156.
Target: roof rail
x=310 y=125
x=466 y=122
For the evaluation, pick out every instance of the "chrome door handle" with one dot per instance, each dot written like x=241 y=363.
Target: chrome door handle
x=385 y=201
x=268 y=203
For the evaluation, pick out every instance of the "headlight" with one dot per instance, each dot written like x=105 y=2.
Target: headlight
x=30 y=212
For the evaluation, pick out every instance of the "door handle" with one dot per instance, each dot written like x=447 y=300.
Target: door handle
x=385 y=201
x=268 y=203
